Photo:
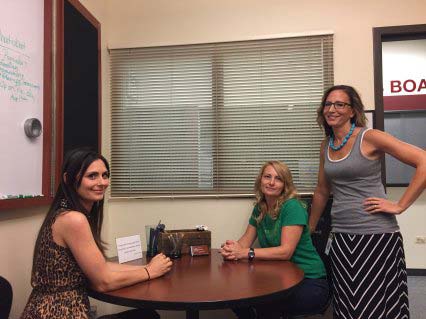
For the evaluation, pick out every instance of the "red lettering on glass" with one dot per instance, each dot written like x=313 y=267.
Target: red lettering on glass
x=422 y=85
x=407 y=86
x=395 y=86
x=413 y=85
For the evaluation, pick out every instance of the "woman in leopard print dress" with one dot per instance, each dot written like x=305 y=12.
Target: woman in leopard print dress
x=69 y=254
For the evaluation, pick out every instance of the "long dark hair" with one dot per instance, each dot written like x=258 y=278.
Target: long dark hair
x=66 y=198
x=356 y=103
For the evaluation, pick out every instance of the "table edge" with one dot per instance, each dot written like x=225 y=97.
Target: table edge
x=187 y=305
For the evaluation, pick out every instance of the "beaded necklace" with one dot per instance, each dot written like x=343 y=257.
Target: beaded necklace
x=345 y=140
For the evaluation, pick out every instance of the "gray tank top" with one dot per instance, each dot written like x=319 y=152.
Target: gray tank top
x=353 y=179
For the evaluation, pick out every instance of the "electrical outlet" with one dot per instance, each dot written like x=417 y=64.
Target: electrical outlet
x=420 y=239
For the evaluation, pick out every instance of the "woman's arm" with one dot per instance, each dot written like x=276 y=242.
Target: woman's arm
x=290 y=236
x=321 y=194
x=72 y=230
x=113 y=266
x=244 y=243
x=248 y=238
x=377 y=143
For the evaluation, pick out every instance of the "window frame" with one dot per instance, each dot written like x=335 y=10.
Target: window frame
x=383 y=34
x=217 y=99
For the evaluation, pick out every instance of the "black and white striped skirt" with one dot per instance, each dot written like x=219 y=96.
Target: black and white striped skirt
x=369 y=276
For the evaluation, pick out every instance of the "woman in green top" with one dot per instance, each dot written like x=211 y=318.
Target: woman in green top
x=280 y=222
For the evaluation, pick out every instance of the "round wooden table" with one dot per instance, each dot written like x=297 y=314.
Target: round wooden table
x=209 y=282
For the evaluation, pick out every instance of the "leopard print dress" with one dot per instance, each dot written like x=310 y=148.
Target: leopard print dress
x=59 y=285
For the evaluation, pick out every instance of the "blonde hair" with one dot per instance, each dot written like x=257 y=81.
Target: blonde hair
x=289 y=190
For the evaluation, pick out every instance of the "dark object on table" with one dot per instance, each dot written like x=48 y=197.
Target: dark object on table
x=153 y=239
x=175 y=242
x=190 y=237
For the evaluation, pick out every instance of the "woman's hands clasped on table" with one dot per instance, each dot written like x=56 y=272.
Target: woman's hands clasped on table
x=233 y=250
x=159 y=265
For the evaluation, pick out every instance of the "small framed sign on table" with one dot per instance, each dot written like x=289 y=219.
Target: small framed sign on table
x=199 y=250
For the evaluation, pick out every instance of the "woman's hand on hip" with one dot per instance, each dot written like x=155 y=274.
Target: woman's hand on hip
x=381 y=205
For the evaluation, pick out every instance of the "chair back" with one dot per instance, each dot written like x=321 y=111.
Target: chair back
x=6 y=296
x=321 y=234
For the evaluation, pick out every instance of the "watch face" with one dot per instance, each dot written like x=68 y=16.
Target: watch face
x=251 y=254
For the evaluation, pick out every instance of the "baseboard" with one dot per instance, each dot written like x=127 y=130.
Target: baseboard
x=416 y=272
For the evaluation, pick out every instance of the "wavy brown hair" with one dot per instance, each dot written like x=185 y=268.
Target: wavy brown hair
x=354 y=100
x=289 y=190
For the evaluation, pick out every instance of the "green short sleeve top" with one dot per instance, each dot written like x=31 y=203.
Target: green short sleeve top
x=292 y=212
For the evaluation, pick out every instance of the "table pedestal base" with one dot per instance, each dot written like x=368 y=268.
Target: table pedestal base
x=192 y=314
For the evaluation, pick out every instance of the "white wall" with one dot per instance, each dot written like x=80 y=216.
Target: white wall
x=18 y=232
x=146 y=23
x=129 y=23
x=412 y=224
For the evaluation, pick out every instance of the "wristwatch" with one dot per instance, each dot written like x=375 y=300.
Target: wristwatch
x=251 y=254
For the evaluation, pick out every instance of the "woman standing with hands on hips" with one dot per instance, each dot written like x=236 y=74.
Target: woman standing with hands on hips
x=69 y=254
x=368 y=264
x=280 y=222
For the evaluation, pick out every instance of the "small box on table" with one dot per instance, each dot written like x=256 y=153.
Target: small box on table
x=190 y=237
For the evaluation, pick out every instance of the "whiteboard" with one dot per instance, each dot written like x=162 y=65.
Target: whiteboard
x=21 y=95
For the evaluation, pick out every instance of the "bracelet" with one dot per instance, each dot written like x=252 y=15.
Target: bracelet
x=147 y=272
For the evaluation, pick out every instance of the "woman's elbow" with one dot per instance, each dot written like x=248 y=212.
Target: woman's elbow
x=100 y=288
x=419 y=162
x=285 y=254
x=102 y=285
x=288 y=256
x=422 y=164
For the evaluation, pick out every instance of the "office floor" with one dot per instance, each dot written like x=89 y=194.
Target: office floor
x=416 y=294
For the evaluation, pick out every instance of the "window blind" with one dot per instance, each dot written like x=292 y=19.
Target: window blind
x=201 y=119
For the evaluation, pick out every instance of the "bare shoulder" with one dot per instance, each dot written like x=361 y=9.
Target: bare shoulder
x=371 y=134
x=70 y=225
x=72 y=220
x=378 y=137
x=383 y=142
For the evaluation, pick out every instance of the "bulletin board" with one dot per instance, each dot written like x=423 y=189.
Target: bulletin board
x=25 y=93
